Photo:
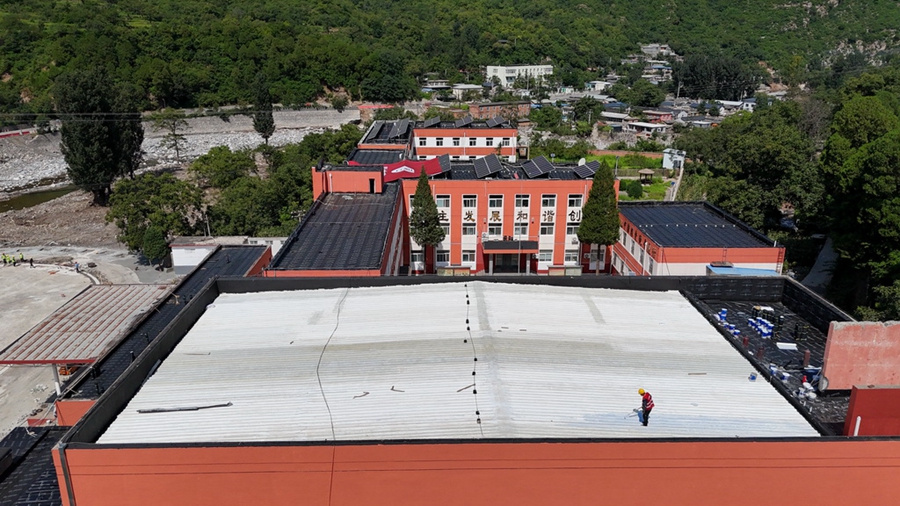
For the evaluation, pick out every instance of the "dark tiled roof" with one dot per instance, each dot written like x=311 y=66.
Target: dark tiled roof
x=346 y=231
x=376 y=156
x=32 y=479
x=691 y=225
x=830 y=410
x=227 y=261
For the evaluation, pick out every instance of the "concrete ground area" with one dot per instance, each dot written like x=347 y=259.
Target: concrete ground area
x=29 y=295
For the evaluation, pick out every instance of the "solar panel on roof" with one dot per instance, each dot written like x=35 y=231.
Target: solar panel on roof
x=531 y=169
x=430 y=122
x=444 y=162
x=487 y=165
x=495 y=121
x=543 y=164
x=463 y=122
x=587 y=170
x=399 y=128
x=493 y=163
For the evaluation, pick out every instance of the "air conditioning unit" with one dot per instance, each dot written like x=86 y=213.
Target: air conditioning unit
x=574 y=240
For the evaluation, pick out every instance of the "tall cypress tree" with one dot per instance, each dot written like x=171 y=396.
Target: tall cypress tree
x=424 y=222
x=600 y=223
x=263 y=121
x=101 y=131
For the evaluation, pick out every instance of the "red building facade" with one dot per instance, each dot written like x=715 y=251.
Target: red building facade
x=511 y=225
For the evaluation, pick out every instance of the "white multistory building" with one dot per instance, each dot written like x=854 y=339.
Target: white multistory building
x=508 y=74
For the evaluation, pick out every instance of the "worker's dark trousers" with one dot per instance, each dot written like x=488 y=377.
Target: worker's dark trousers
x=646 y=416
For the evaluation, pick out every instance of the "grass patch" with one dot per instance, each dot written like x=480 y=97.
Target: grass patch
x=654 y=191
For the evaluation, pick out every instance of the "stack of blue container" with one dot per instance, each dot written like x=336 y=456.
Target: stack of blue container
x=762 y=326
x=722 y=317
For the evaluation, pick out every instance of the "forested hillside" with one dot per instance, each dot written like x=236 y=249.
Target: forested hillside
x=205 y=53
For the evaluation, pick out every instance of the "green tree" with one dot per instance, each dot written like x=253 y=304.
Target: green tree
x=600 y=224
x=220 y=167
x=339 y=102
x=263 y=121
x=424 y=222
x=866 y=208
x=101 y=131
x=587 y=109
x=546 y=117
x=634 y=188
x=646 y=94
x=155 y=246
x=173 y=122
x=150 y=200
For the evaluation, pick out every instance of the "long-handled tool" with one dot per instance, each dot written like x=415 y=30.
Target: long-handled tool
x=634 y=412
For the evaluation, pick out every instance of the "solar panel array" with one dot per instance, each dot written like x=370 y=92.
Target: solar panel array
x=537 y=167
x=587 y=170
x=463 y=122
x=399 y=128
x=531 y=169
x=487 y=165
x=430 y=122
x=444 y=162
x=495 y=121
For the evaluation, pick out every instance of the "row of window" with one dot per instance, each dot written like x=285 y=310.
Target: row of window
x=442 y=256
x=473 y=141
x=519 y=229
x=575 y=200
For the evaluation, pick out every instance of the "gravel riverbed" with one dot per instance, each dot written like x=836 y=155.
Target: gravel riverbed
x=36 y=160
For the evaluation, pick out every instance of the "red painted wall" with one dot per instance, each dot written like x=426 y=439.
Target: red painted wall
x=509 y=188
x=761 y=255
x=862 y=353
x=68 y=412
x=264 y=260
x=349 y=181
x=734 y=473
x=879 y=409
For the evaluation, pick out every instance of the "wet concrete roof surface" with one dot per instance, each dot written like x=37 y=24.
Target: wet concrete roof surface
x=393 y=363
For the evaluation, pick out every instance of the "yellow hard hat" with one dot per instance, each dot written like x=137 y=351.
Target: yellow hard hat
x=641 y=391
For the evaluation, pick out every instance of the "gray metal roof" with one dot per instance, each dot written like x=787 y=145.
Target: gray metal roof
x=691 y=225
x=398 y=362
x=346 y=231
x=88 y=326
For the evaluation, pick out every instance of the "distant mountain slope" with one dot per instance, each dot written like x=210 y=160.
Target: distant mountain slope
x=203 y=52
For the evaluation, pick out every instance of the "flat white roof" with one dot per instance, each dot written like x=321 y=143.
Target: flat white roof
x=397 y=363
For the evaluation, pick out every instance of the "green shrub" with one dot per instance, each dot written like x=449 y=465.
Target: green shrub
x=634 y=188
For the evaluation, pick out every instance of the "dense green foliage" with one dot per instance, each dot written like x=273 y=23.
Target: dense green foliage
x=193 y=53
x=716 y=77
x=424 y=223
x=101 y=131
x=155 y=246
x=221 y=167
x=633 y=188
x=600 y=224
x=272 y=205
x=642 y=93
x=164 y=202
x=758 y=165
